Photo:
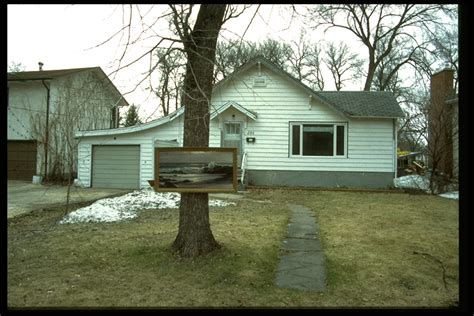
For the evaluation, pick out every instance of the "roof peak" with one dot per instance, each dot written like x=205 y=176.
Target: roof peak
x=54 y=70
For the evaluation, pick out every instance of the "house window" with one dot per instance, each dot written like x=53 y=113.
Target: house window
x=232 y=128
x=309 y=139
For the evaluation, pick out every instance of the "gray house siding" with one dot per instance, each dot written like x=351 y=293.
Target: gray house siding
x=320 y=179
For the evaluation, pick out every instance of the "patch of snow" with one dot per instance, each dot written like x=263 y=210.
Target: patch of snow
x=125 y=206
x=451 y=195
x=96 y=213
x=423 y=183
x=412 y=181
x=220 y=203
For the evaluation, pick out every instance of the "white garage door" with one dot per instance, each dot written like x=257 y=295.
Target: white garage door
x=116 y=166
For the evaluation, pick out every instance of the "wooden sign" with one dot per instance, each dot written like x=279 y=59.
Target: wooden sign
x=184 y=169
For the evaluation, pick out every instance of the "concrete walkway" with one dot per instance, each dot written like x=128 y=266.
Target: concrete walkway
x=302 y=265
x=24 y=197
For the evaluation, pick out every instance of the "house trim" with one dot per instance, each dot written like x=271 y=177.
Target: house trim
x=219 y=110
x=131 y=129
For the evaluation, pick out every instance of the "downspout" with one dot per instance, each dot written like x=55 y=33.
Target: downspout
x=395 y=140
x=46 y=132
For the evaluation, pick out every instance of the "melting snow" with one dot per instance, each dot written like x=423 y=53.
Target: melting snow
x=125 y=206
x=451 y=195
x=414 y=181
x=423 y=183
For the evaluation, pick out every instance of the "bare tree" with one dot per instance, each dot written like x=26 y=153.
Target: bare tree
x=195 y=33
x=171 y=72
x=232 y=54
x=379 y=27
x=195 y=236
x=413 y=127
x=441 y=138
x=306 y=63
x=302 y=61
x=445 y=47
x=341 y=62
x=275 y=51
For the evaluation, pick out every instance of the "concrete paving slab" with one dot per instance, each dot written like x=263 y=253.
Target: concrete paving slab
x=302 y=231
x=300 y=283
x=301 y=244
x=305 y=258
x=302 y=264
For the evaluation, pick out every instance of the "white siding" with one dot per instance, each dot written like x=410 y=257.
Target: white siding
x=370 y=141
x=84 y=163
x=145 y=139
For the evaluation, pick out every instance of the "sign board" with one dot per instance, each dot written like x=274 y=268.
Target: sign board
x=184 y=169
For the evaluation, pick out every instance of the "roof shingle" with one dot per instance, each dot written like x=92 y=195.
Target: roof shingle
x=364 y=103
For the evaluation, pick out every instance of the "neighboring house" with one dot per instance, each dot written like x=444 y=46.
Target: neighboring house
x=443 y=125
x=44 y=110
x=410 y=162
x=290 y=135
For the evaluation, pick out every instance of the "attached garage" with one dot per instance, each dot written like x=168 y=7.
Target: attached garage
x=116 y=166
x=21 y=159
x=125 y=157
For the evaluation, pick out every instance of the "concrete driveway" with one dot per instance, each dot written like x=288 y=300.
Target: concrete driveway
x=24 y=197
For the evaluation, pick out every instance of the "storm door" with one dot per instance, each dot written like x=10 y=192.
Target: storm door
x=232 y=137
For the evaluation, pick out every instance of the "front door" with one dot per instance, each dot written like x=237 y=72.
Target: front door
x=232 y=137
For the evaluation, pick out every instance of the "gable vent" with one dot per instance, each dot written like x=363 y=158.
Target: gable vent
x=259 y=82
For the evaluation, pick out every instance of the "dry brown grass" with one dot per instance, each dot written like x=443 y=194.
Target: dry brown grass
x=381 y=249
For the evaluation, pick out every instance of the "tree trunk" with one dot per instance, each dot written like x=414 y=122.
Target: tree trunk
x=370 y=71
x=195 y=236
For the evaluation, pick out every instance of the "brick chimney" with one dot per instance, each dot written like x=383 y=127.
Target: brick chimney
x=441 y=121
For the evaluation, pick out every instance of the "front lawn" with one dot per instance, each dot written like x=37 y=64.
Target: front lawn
x=382 y=249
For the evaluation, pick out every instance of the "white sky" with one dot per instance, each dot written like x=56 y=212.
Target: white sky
x=61 y=36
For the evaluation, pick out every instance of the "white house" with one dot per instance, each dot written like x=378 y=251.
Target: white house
x=289 y=135
x=45 y=108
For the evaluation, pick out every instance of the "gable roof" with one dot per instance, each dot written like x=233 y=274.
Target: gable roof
x=219 y=109
x=349 y=103
x=52 y=74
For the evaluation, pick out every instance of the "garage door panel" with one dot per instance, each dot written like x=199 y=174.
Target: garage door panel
x=21 y=161
x=118 y=161
x=116 y=166
x=103 y=176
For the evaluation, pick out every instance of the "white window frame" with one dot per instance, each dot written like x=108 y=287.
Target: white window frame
x=334 y=124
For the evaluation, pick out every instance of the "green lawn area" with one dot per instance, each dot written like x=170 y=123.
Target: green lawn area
x=382 y=249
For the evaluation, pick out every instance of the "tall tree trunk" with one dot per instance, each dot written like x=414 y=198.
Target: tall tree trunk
x=195 y=236
x=371 y=70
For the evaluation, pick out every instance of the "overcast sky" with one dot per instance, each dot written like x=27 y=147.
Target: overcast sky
x=65 y=36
